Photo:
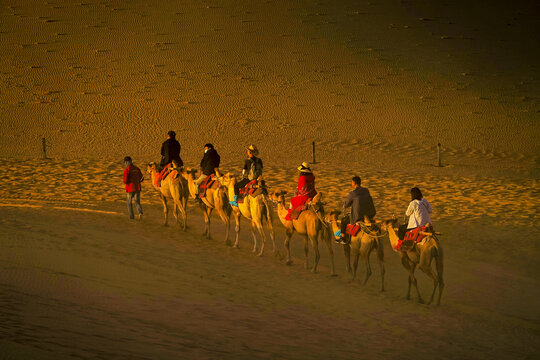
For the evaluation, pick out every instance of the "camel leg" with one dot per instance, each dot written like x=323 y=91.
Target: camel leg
x=181 y=204
x=425 y=266
x=366 y=252
x=355 y=249
x=405 y=263
x=254 y=237
x=306 y=251
x=270 y=225
x=288 y=235
x=439 y=266
x=207 y=212
x=165 y=209
x=263 y=236
x=272 y=236
x=347 y=252
x=227 y=220
x=315 y=244
x=413 y=281
x=237 y=229
x=328 y=242
x=175 y=211
x=380 y=257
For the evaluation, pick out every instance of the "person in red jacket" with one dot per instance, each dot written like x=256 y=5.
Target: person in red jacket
x=133 y=178
x=305 y=190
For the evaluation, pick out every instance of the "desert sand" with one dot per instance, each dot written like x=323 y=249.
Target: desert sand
x=376 y=85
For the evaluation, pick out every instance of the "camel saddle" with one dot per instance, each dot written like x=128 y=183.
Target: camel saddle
x=163 y=174
x=206 y=184
x=295 y=213
x=411 y=238
x=353 y=229
x=252 y=188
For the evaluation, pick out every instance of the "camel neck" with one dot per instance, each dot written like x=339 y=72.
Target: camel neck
x=392 y=236
x=281 y=209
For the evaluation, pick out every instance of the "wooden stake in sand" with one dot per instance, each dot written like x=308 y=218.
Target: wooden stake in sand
x=313 y=146
x=439 y=154
x=44 y=144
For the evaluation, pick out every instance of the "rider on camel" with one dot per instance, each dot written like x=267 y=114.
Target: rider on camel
x=305 y=190
x=209 y=163
x=418 y=212
x=253 y=168
x=170 y=151
x=361 y=204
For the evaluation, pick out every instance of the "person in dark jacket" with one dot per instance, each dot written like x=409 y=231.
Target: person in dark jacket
x=361 y=204
x=209 y=163
x=133 y=178
x=170 y=151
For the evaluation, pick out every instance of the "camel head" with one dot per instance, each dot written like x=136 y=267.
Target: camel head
x=191 y=175
x=151 y=167
x=228 y=180
x=278 y=196
x=174 y=166
x=387 y=224
x=333 y=218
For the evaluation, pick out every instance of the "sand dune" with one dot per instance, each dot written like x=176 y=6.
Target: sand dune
x=96 y=285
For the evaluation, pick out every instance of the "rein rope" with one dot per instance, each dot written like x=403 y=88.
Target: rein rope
x=319 y=216
x=368 y=232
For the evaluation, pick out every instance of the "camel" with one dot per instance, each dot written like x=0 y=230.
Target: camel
x=420 y=254
x=362 y=244
x=175 y=189
x=215 y=198
x=309 y=224
x=254 y=208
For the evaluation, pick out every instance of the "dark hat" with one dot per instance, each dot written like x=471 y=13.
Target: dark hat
x=208 y=145
x=127 y=158
x=171 y=134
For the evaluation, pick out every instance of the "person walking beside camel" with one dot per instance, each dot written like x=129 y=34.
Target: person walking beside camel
x=133 y=178
x=361 y=204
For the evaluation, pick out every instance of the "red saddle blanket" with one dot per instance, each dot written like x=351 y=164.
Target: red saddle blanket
x=411 y=237
x=294 y=214
x=353 y=229
x=207 y=183
x=249 y=189
x=162 y=175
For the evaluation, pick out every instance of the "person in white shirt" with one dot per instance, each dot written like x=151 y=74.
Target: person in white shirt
x=418 y=212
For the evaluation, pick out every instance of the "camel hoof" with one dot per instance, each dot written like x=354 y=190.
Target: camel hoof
x=314 y=271
x=420 y=301
x=165 y=224
x=236 y=246
x=333 y=275
x=260 y=254
x=289 y=262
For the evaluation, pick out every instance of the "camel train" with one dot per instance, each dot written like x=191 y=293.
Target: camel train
x=312 y=224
